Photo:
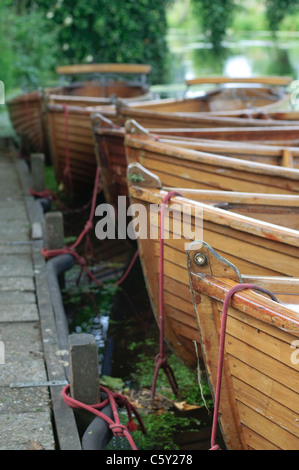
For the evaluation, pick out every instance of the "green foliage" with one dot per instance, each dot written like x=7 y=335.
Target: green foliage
x=27 y=44
x=35 y=36
x=276 y=10
x=34 y=49
x=215 y=17
x=111 y=31
x=161 y=429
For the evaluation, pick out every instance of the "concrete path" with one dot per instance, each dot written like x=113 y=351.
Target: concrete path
x=30 y=417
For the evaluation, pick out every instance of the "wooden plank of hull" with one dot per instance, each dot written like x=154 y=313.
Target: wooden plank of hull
x=79 y=140
x=111 y=154
x=27 y=117
x=269 y=154
x=155 y=119
x=205 y=111
x=270 y=135
x=27 y=111
x=260 y=387
x=178 y=167
x=258 y=247
x=232 y=100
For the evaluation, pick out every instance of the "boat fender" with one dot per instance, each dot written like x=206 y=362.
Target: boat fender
x=98 y=434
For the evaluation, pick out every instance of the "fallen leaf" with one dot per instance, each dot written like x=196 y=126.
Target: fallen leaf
x=34 y=445
x=183 y=406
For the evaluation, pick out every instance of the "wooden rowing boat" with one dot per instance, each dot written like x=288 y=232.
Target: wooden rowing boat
x=150 y=116
x=111 y=153
x=259 y=401
x=110 y=157
x=180 y=167
x=69 y=114
x=274 y=153
x=251 y=241
x=72 y=144
x=269 y=135
x=207 y=110
x=28 y=111
x=26 y=114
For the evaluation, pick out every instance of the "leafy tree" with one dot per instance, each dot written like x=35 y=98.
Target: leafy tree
x=111 y=31
x=276 y=10
x=36 y=35
x=215 y=17
x=27 y=44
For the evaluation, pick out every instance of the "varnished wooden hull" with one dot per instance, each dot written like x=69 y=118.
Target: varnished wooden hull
x=111 y=153
x=203 y=111
x=258 y=247
x=28 y=119
x=178 y=167
x=259 y=401
x=111 y=157
x=28 y=111
x=71 y=134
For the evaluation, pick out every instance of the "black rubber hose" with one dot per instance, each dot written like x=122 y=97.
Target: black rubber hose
x=97 y=434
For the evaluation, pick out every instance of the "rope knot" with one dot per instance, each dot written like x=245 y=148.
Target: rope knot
x=132 y=426
x=118 y=430
x=161 y=359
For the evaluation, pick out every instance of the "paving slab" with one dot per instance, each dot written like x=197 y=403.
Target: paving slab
x=26 y=430
x=25 y=413
x=16 y=265
x=34 y=417
x=17 y=284
x=18 y=312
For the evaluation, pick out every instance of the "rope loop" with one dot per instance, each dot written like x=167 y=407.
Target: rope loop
x=161 y=360
x=229 y=295
x=113 y=399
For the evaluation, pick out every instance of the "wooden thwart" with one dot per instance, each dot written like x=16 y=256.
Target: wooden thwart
x=267 y=80
x=103 y=68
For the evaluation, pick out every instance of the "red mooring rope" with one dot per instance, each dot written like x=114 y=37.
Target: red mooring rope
x=230 y=293
x=114 y=399
x=161 y=358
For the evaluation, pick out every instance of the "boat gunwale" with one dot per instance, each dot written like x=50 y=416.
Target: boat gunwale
x=248 y=302
x=241 y=222
x=145 y=143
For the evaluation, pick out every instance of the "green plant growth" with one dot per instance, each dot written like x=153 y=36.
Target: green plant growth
x=50 y=179
x=28 y=44
x=111 y=31
x=164 y=425
x=215 y=18
x=278 y=10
